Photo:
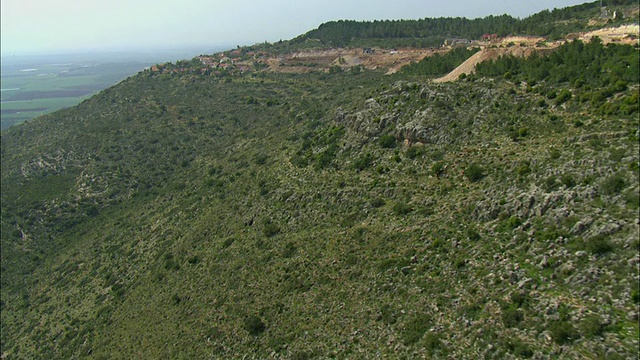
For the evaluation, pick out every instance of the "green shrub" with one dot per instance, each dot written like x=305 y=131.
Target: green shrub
x=228 y=242
x=413 y=152
x=387 y=141
x=473 y=234
x=170 y=263
x=299 y=160
x=401 y=208
x=551 y=183
x=512 y=317
x=302 y=355
x=554 y=154
x=415 y=329
x=592 y=326
x=568 y=180
x=325 y=158
x=513 y=222
x=194 y=259
x=388 y=314
x=518 y=348
x=437 y=243
x=523 y=169
x=562 y=332
x=270 y=228
x=382 y=169
x=632 y=199
x=377 y=202
x=176 y=299
x=363 y=162
x=254 y=325
x=523 y=132
x=289 y=250
x=599 y=245
x=437 y=169
x=616 y=155
x=612 y=185
x=335 y=69
x=563 y=97
x=432 y=342
x=474 y=172
x=437 y=154
x=520 y=299
x=596 y=143
x=92 y=211
x=260 y=159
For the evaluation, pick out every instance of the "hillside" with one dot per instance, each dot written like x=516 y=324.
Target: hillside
x=468 y=67
x=528 y=46
x=340 y=210
x=432 y=32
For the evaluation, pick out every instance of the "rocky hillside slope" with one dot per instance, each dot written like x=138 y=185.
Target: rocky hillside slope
x=195 y=217
x=329 y=214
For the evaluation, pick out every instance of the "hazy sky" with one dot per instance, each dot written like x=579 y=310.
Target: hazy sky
x=54 y=26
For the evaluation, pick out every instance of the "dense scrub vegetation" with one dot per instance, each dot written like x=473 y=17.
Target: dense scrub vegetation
x=431 y=32
x=591 y=73
x=330 y=215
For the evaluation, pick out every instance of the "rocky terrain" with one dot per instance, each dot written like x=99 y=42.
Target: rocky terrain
x=204 y=211
x=394 y=59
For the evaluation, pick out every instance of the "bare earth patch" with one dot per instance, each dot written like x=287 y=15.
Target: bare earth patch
x=390 y=59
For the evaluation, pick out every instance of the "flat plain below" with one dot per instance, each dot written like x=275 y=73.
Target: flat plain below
x=40 y=84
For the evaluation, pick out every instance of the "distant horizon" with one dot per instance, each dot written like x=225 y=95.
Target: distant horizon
x=127 y=50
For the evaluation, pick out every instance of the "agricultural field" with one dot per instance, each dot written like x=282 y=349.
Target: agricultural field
x=41 y=84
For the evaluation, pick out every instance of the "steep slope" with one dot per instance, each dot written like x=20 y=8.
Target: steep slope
x=194 y=217
x=627 y=34
x=429 y=32
x=188 y=214
x=468 y=67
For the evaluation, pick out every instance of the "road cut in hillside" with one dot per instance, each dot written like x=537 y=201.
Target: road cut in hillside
x=626 y=34
x=469 y=66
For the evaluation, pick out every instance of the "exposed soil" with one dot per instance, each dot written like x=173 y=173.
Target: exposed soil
x=306 y=61
x=392 y=60
x=627 y=34
x=469 y=66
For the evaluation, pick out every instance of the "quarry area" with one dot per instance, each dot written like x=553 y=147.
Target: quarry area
x=242 y=60
x=394 y=59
